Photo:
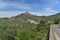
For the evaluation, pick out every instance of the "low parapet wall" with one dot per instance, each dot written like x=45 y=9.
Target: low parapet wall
x=51 y=33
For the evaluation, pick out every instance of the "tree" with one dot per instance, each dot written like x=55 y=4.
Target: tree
x=38 y=27
x=25 y=34
x=56 y=21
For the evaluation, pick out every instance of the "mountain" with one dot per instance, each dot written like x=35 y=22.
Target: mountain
x=25 y=16
x=24 y=25
x=55 y=16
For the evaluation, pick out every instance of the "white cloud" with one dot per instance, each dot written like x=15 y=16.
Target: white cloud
x=2 y=4
x=9 y=13
x=52 y=3
x=46 y=12
x=49 y=11
x=17 y=5
x=22 y=5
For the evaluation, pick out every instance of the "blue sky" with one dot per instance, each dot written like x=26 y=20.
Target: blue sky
x=10 y=8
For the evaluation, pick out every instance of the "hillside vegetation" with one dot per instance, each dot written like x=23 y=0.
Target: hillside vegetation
x=27 y=27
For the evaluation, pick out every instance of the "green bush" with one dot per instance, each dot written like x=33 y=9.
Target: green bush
x=25 y=34
x=56 y=21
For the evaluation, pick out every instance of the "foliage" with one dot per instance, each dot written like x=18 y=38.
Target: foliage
x=18 y=28
x=25 y=34
x=56 y=21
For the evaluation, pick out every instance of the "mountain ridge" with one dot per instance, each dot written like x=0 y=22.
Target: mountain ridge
x=27 y=15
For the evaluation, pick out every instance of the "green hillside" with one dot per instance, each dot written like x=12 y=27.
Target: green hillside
x=26 y=26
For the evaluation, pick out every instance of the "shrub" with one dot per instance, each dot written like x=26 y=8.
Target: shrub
x=25 y=35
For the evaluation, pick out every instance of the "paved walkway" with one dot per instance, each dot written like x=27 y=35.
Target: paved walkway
x=56 y=29
x=54 y=32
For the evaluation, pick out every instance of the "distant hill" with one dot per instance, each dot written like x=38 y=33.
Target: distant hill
x=55 y=16
x=25 y=16
x=38 y=25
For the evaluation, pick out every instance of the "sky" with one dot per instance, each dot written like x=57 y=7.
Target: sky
x=10 y=8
